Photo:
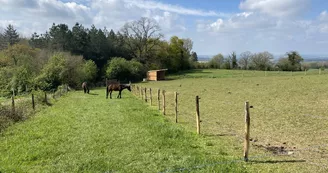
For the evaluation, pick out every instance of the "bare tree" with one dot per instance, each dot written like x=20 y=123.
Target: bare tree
x=141 y=37
x=244 y=59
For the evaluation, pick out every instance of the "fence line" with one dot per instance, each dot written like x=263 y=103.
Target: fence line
x=246 y=138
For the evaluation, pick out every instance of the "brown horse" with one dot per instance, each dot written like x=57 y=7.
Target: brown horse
x=116 y=87
x=85 y=87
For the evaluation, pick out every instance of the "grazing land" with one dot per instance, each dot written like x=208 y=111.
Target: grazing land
x=87 y=133
x=289 y=115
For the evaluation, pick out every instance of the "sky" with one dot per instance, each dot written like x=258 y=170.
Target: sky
x=215 y=26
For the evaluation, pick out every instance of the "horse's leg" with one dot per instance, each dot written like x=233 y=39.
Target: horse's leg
x=84 y=90
x=106 y=93
x=110 y=94
x=88 y=90
x=119 y=93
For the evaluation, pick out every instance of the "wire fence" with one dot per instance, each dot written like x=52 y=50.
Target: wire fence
x=275 y=147
x=20 y=108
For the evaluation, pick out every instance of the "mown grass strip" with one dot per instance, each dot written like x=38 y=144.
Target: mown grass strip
x=87 y=133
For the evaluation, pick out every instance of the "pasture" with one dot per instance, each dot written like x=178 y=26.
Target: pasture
x=88 y=133
x=289 y=117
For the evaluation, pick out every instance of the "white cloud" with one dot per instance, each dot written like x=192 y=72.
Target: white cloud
x=153 y=5
x=276 y=8
x=323 y=16
x=238 y=22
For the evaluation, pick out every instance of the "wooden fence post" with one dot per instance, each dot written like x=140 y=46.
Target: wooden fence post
x=158 y=99
x=247 y=128
x=145 y=94
x=142 y=95
x=150 y=97
x=45 y=97
x=176 y=106
x=163 y=94
x=33 y=103
x=13 y=105
x=197 y=115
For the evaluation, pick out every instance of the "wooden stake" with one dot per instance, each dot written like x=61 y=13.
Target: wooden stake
x=176 y=106
x=13 y=105
x=197 y=115
x=45 y=97
x=163 y=94
x=150 y=97
x=158 y=99
x=33 y=103
x=247 y=128
x=141 y=91
x=145 y=94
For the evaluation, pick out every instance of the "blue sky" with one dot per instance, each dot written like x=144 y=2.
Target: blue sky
x=215 y=26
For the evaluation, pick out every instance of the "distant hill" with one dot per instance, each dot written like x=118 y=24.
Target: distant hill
x=307 y=57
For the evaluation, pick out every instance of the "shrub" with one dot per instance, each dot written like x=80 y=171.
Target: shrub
x=123 y=70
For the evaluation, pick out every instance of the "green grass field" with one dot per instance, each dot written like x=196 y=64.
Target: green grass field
x=210 y=73
x=87 y=133
x=290 y=114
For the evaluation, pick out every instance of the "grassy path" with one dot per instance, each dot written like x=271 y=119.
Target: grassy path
x=87 y=133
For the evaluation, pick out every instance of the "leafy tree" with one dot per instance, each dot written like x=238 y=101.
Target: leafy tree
x=193 y=57
x=123 y=70
x=295 y=60
x=244 y=60
x=233 y=59
x=11 y=35
x=52 y=74
x=261 y=61
x=178 y=54
x=90 y=71
x=16 y=51
x=217 y=61
x=284 y=64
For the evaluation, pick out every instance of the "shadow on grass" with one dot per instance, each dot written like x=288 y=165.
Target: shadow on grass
x=94 y=94
x=221 y=134
x=277 y=161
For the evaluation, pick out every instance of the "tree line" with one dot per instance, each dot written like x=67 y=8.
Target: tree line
x=64 y=55
x=292 y=61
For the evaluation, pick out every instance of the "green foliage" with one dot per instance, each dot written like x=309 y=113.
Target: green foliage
x=178 y=55
x=123 y=70
x=216 y=62
x=60 y=37
x=90 y=71
x=52 y=74
x=193 y=57
x=233 y=58
x=261 y=61
x=11 y=35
